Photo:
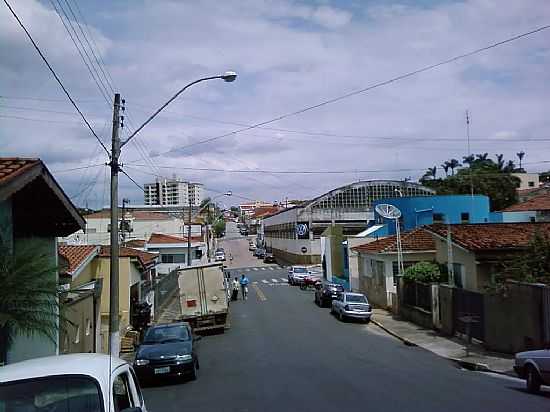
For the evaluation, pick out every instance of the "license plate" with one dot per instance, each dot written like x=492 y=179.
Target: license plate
x=159 y=371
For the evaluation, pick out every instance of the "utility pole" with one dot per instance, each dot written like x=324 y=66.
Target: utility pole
x=208 y=233
x=114 y=331
x=189 y=234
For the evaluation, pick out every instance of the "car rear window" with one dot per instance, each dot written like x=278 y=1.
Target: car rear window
x=65 y=393
x=300 y=270
x=356 y=299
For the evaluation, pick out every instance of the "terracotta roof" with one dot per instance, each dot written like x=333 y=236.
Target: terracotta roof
x=11 y=167
x=163 y=238
x=264 y=211
x=136 y=214
x=145 y=258
x=539 y=202
x=76 y=254
x=491 y=236
x=135 y=243
x=416 y=240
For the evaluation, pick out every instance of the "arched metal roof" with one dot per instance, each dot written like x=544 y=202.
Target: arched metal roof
x=360 y=195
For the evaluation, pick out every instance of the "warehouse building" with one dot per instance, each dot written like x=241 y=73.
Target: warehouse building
x=294 y=235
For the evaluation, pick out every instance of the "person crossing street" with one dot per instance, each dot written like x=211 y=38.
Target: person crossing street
x=244 y=286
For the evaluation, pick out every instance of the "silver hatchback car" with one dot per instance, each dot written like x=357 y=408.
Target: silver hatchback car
x=351 y=305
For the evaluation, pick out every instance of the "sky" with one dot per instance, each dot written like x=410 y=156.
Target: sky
x=289 y=55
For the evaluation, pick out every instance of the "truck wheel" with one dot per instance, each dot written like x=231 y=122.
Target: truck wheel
x=533 y=380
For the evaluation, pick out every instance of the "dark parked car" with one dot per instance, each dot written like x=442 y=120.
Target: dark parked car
x=167 y=350
x=269 y=258
x=259 y=253
x=325 y=293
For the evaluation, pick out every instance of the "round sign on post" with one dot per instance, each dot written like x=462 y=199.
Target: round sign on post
x=304 y=249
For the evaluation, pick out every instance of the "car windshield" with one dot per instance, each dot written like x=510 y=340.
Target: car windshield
x=55 y=393
x=356 y=299
x=166 y=334
x=300 y=270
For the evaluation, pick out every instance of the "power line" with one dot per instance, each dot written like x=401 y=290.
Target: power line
x=100 y=88
x=132 y=180
x=45 y=99
x=56 y=77
x=78 y=168
x=38 y=120
x=306 y=172
x=365 y=89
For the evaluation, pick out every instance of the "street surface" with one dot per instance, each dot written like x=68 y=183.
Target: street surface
x=283 y=353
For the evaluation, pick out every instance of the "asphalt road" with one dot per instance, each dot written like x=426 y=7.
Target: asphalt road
x=283 y=353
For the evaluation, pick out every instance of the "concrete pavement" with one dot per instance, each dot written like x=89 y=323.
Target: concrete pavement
x=283 y=353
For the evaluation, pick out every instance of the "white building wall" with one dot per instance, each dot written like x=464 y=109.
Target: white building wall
x=528 y=180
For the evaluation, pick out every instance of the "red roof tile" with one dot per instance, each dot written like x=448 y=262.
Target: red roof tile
x=163 y=238
x=491 y=236
x=135 y=243
x=416 y=240
x=145 y=258
x=76 y=254
x=539 y=202
x=11 y=167
x=264 y=211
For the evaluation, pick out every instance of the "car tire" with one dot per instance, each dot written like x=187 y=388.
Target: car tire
x=533 y=381
x=366 y=321
x=194 y=372
x=341 y=316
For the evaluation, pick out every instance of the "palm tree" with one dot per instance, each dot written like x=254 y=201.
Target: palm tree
x=520 y=156
x=29 y=303
x=500 y=161
x=510 y=167
x=432 y=171
x=468 y=159
x=453 y=164
x=482 y=157
x=446 y=167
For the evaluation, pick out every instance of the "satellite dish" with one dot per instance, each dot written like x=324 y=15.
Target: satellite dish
x=388 y=211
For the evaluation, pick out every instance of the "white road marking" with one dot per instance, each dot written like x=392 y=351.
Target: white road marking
x=254 y=283
x=284 y=279
x=274 y=280
x=264 y=281
x=254 y=268
x=262 y=268
x=247 y=270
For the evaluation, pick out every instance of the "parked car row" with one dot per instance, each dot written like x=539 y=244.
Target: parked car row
x=344 y=305
x=261 y=253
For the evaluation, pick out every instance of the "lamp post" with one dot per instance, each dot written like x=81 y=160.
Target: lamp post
x=117 y=145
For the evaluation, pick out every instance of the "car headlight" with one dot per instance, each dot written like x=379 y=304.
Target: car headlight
x=183 y=357
x=142 y=362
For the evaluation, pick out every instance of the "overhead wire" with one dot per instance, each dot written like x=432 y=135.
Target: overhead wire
x=56 y=76
x=363 y=90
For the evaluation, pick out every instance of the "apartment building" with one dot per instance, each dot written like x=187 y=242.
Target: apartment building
x=173 y=192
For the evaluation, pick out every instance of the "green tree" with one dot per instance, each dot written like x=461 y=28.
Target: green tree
x=520 y=156
x=446 y=165
x=29 y=303
x=426 y=272
x=205 y=201
x=453 y=164
x=533 y=265
x=219 y=227
x=486 y=178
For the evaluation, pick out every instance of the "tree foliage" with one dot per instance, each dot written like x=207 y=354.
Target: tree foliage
x=426 y=272
x=487 y=177
x=29 y=303
x=533 y=266
x=219 y=227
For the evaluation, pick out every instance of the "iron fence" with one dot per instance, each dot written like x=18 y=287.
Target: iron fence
x=418 y=294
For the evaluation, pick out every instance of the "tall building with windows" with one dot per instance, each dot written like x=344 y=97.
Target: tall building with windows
x=173 y=192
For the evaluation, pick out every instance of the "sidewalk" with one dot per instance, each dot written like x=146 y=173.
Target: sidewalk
x=472 y=356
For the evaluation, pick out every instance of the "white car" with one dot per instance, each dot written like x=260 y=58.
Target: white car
x=87 y=382
x=219 y=257
x=297 y=274
x=534 y=367
x=351 y=305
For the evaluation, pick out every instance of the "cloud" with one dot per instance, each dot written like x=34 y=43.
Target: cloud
x=289 y=55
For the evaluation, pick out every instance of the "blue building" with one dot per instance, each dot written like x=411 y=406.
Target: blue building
x=425 y=210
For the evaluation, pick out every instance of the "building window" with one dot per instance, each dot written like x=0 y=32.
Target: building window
x=464 y=217
x=438 y=218
x=179 y=258
x=395 y=269
x=531 y=184
x=532 y=219
x=457 y=271
x=91 y=230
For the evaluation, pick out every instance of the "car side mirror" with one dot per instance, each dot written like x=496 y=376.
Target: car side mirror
x=135 y=409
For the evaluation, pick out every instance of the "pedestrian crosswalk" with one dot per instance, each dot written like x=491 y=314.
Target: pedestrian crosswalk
x=261 y=268
x=272 y=282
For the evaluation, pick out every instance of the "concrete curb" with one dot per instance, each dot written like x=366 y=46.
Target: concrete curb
x=474 y=366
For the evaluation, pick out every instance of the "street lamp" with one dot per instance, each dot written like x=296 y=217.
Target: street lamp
x=116 y=146
x=398 y=191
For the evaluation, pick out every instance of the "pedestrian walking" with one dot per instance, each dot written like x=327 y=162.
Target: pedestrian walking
x=244 y=286
x=235 y=291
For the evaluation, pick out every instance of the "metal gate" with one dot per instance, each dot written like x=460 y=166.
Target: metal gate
x=468 y=313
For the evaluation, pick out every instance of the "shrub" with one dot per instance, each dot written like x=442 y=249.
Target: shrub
x=426 y=272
